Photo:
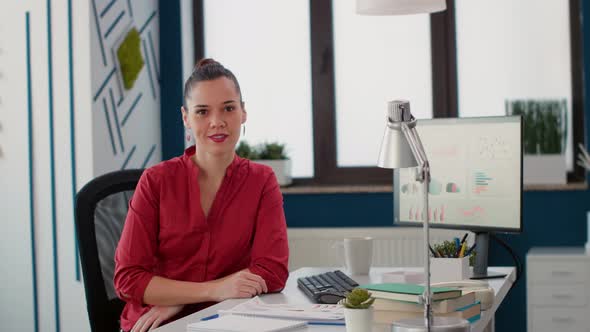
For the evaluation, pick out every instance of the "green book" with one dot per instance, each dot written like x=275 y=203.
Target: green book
x=442 y=306
x=409 y=292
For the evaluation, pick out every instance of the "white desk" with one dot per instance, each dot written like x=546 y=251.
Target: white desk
x=291 y=294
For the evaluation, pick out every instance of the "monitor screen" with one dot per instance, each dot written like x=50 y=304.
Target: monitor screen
x=476 y=175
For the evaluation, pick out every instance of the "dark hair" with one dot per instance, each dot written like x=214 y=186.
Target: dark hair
x=206 y=70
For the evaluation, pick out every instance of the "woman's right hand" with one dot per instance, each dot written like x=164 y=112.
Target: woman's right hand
x=242 y=284
x=155 y=316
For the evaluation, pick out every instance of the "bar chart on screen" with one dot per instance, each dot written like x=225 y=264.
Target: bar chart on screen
x=475 y=169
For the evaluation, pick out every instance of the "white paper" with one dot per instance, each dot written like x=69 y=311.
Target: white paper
x=309 y=312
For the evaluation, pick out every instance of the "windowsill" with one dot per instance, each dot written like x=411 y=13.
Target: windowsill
x=557 y=187
x=352 y=189
x=336 y=189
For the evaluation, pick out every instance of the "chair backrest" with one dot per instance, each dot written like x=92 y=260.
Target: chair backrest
x=101 y=209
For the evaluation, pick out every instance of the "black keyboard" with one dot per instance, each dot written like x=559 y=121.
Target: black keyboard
x=329 y=287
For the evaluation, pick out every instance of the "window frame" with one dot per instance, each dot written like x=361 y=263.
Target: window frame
x=577 y=55
x=444 y=89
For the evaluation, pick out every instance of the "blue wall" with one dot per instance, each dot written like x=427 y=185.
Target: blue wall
x=550 y=218
x=172 y=80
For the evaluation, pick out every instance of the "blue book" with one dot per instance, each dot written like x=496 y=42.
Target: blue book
x=471 y=312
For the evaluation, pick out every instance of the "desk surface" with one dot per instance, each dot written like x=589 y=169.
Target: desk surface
x=291 y=294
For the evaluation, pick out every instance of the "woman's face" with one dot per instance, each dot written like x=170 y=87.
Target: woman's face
x=214 y=116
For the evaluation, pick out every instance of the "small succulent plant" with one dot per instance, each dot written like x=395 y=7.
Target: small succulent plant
x=358 y=298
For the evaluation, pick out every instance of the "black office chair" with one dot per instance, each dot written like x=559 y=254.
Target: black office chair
x=101 y=208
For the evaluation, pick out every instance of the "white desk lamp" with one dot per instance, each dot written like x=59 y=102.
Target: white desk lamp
x=401 y=148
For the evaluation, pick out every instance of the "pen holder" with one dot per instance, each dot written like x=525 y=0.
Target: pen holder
x=449 y=269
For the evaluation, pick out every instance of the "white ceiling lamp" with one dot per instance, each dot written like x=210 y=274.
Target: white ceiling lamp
x=399 y=7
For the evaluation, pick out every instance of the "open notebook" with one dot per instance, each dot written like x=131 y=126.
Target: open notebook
x=255 y=307
x=231 y=323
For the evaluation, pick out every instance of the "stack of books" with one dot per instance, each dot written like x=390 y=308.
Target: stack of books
x=400 y=301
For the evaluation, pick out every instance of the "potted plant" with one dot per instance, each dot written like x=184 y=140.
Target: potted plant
x=358 y=313
x=544 y=139
x=270 y=154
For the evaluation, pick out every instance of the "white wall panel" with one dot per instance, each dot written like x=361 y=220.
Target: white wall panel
x=17 y=299
x=62 y=139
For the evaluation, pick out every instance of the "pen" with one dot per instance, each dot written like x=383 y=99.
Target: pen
x=470 y=249
x=460 y=245
x=210 y=317
x=462 y=252
x=327 y=323
x=457 y=247
x=464 y=238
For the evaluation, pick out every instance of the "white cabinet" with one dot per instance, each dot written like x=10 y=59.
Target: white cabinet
x=558 y=286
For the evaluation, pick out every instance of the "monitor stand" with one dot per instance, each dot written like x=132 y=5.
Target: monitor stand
x=480 y=268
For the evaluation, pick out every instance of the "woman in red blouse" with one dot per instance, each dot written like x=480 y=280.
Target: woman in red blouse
x=205 y=226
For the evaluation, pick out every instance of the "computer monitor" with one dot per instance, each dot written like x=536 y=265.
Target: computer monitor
x=476 y=179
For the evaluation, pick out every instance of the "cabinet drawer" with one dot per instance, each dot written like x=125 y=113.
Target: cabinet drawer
x=558 y=272
x=562 y=320
x=572 y=295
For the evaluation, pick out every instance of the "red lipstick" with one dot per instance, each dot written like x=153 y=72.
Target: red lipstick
x=218 y=138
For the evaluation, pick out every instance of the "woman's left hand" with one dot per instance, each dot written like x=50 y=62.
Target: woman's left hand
x=155 y=316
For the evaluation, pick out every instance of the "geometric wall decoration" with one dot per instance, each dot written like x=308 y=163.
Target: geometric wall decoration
x=126 y=85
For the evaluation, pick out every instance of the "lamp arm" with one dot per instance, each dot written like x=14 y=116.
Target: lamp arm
x=423 y=177
x=415 y=143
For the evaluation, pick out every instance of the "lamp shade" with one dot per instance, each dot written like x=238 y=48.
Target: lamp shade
x=395 y=149
x=399 y=7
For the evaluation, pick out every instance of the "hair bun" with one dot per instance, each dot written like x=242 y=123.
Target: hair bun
x=206 y=62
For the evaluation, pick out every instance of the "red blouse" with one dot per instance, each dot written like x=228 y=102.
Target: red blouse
x=167 y=234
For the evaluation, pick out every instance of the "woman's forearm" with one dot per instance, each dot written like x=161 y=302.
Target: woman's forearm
x=163 y=291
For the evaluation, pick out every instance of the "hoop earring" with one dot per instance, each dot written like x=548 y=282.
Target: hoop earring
x=188 y=135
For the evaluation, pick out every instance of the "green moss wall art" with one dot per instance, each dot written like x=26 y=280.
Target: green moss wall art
x=130 y=58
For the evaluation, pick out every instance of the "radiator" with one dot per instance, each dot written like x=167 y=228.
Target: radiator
x=392 y=246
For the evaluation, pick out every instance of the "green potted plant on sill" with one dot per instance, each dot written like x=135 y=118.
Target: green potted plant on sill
x=358 y=310
x=545 y=125
x=271 y=154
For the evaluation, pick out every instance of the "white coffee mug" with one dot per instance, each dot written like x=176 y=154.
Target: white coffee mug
x=358 y=255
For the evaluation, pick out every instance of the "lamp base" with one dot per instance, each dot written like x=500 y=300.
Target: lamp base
x=439 y=324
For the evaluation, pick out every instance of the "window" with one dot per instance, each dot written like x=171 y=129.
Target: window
x=323 y=65
x=272 y=68
x=376 y=59
x=524 y=57
x=355 y=66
